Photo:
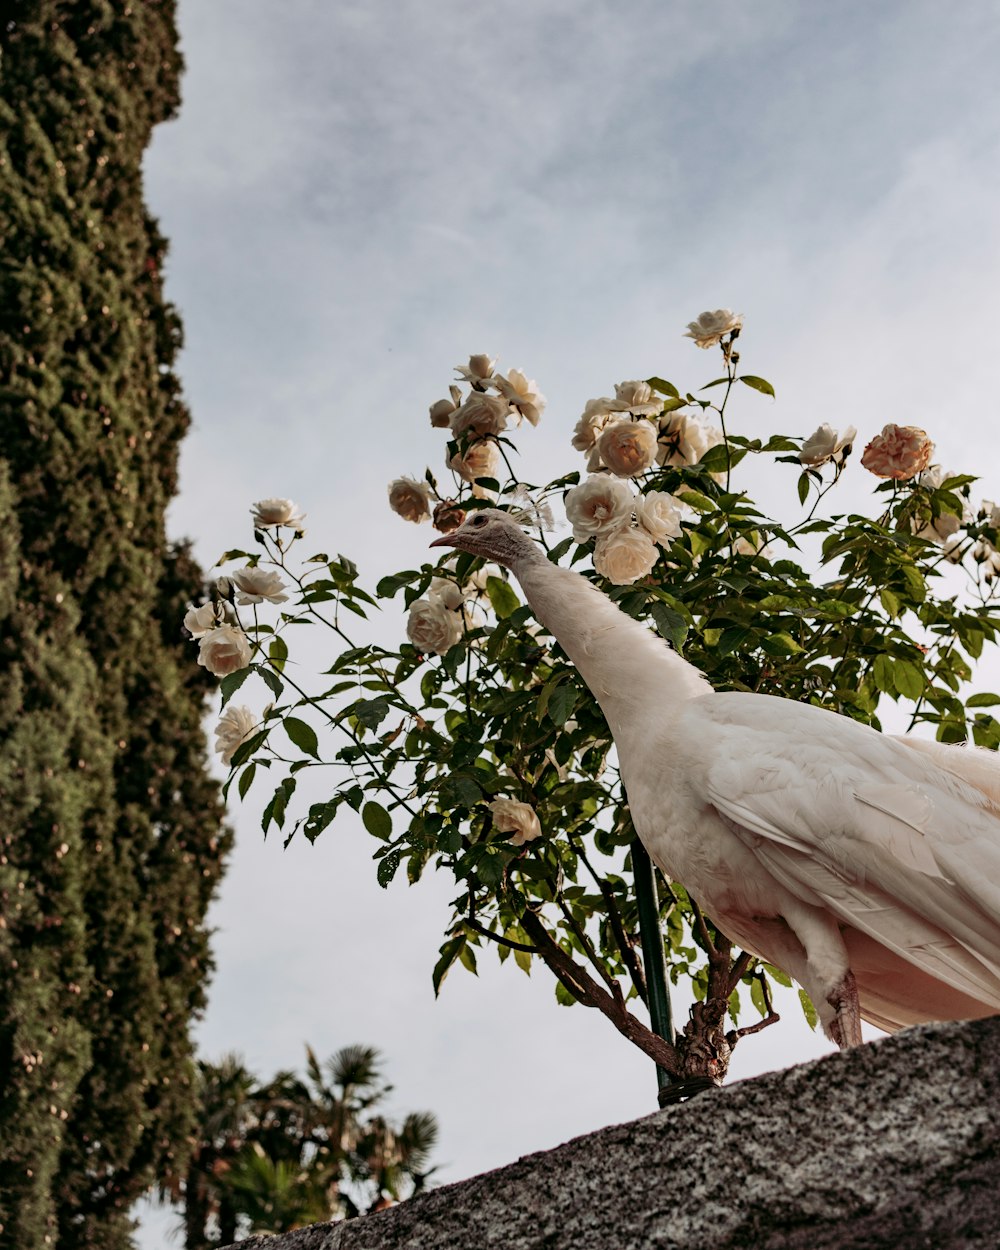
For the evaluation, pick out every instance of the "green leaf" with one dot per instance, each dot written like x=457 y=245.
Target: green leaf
x=278 y=652
x=246 y=780
x=274 y=682
x=563 y=997
x=757 y=996
x=670 y=624
x=757 y=384
x=230 y=684
x=371 y=712
x=664 y=387
x=890 y=601
x=389 y=586
x=561 y=703
x=449 y=953
x=808 y=1010
x=908 y=678
x=387 y=866
x=804 y=481
x=983 y=700
x=882 y=674
x=302 y=735
x=377 y=820
x=502 y=597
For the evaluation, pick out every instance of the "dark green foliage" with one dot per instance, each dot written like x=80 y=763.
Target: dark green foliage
x=111 y=839
x=272 y=1156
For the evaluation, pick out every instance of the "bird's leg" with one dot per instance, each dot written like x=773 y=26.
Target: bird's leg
x=845 y=1028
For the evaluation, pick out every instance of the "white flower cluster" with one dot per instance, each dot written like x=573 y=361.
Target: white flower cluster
x=631 y=433
x=494 y=401
x=223 y=645
x=627 y=528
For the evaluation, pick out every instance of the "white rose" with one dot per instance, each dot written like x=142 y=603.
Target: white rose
x=598 y=505
x=481 y=413
x=224 y=650
x=826 y=444
x=684 y=439
x=480 y=460
x=410 y=499
x=758 y=547
x=235 y=726
x=659 y=514
x=441 y=413
x=594 y=419
x=256 y=585
x=521 y=394
x=628 y=447
x=510 y=816
x=198 y=621
x=268 y=512
x=988 y=510
x=478 y=370
x=711 y=326
x=625 y=555
x=941 y=529
x=637 y=398
x=433 y=627
x=448 y=593
x=986 y=555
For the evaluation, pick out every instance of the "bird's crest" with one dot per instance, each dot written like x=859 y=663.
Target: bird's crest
x=526 y=510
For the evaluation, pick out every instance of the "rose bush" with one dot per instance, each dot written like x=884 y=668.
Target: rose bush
x=473 y=744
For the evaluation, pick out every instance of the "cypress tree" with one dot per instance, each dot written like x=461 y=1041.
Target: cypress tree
x=111 y=842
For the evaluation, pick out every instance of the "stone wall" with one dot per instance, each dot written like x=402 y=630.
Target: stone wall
x=893 y=1146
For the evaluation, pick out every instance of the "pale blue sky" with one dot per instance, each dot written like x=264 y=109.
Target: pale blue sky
x=359 y=195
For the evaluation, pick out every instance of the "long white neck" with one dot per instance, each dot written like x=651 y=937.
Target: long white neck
x=633 y=674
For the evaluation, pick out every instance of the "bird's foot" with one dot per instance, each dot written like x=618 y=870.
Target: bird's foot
x=845 y=1028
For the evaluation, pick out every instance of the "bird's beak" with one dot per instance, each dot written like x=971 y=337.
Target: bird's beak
x=446 y=540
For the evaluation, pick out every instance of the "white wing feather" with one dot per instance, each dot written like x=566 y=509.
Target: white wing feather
x=882 y=836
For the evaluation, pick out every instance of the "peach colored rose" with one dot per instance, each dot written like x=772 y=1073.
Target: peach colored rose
x=410 y=499
x=628 y=447
x=448 y=516
x=900 y=452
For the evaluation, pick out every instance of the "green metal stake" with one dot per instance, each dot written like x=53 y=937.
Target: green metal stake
x=651 y=938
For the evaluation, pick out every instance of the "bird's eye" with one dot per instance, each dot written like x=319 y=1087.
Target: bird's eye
x=479 y=520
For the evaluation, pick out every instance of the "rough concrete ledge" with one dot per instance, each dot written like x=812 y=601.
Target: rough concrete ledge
x=894 y=1146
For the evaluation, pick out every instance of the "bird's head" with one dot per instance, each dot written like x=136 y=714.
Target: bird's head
x=492 y=534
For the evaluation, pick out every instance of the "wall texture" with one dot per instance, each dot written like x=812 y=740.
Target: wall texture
x=895 y=1146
